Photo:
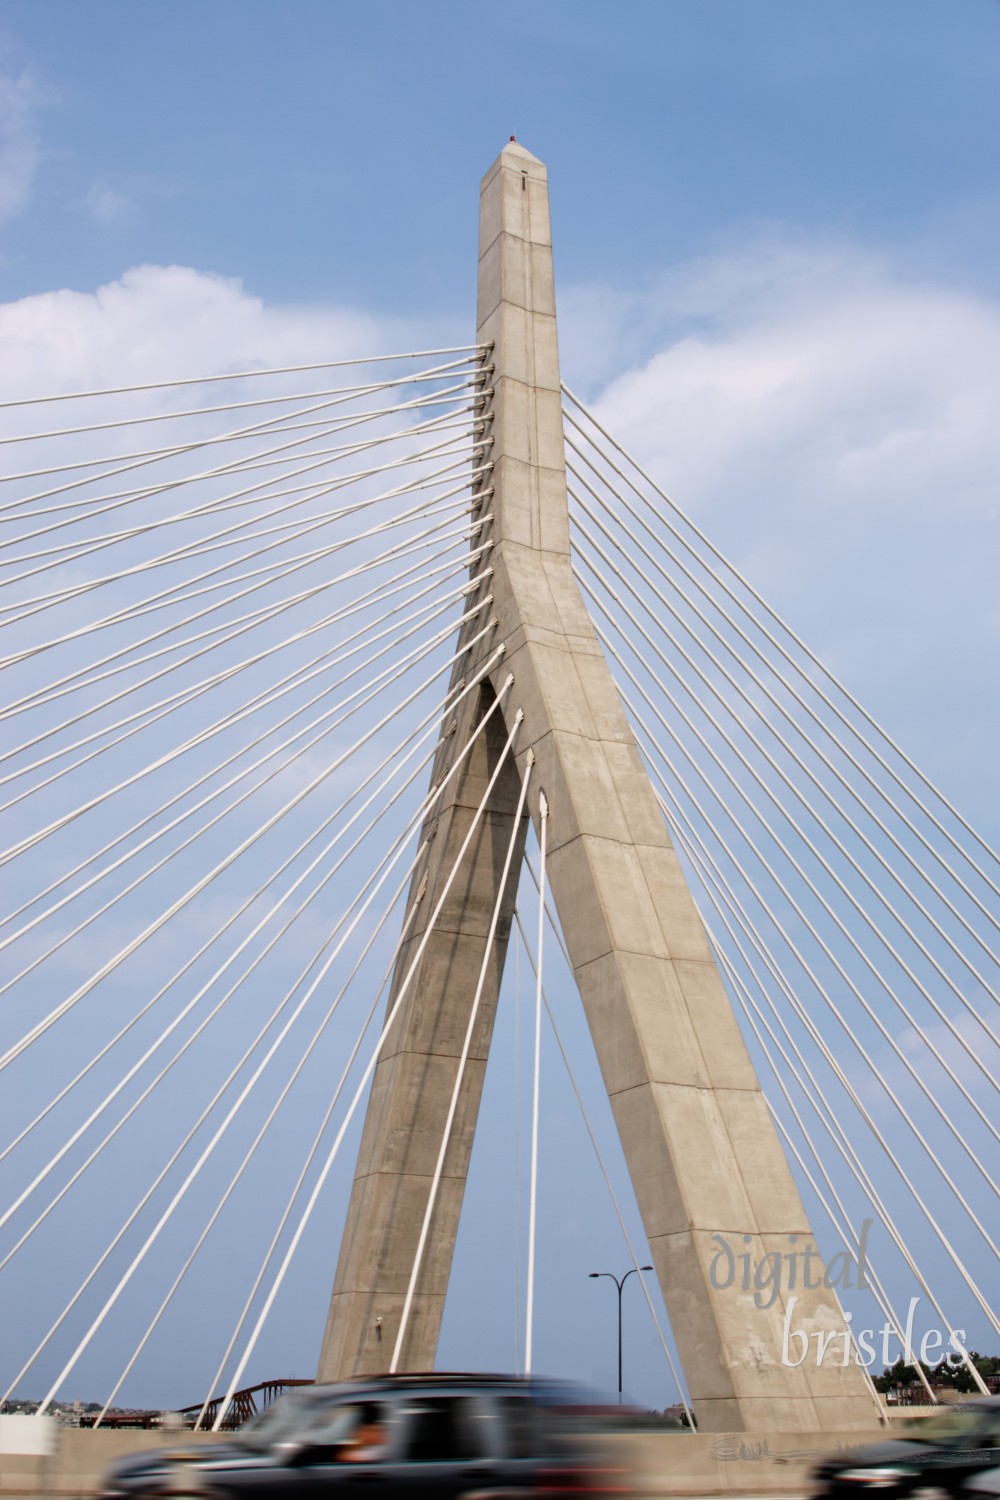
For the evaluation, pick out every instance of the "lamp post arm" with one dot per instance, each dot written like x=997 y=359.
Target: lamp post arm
x=595 y=1275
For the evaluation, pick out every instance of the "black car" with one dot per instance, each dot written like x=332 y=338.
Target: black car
x=934 y=1455
x=440 y=1436
x=983 y=1486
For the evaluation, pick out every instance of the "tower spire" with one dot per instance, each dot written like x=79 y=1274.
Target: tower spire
x=705 y=1161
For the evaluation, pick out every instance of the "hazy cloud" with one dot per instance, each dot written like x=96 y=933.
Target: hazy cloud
x=831 y=423
x=829 y=420
x=835 y=376
x=168 y=322
x=107 y=206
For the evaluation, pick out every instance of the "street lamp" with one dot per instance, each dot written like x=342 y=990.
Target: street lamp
x=619 y=1284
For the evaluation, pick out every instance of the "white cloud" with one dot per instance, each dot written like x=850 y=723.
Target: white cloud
x=107 y=206
x=834 y=385
x=168 y=322
x=20 y=151
x=828 y=420
x=831 y=424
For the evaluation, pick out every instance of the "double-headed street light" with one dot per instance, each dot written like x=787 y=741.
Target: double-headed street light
x=619 y=1285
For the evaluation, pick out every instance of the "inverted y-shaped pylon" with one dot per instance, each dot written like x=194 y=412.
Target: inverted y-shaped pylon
x=704 y=1157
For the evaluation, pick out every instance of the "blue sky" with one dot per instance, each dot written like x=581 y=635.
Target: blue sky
x=668 y=128
x=776 y=236
x=778 y=158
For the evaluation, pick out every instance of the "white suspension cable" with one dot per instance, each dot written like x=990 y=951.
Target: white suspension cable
x=258 y=1138
x=715 y=882
x=848 y=1236
x=189 y=1137
x=814 y=660
x=323 y=663
x=529 y=1317
x=447 y=421
x=827 y=1115
x=414 y=906
x=235 y=500
x=246 y=942
x=30 y=840
x=200 y=885
x=827 y=908
x=232 y=629
x=233 y=466
x=423 y=482
x=431 y=798
x=450 y=702
x=845 y=891
x=278 y=570
x=207 y=411
x=472 y=351
x=824 y=994
x=345 y=707
x=175 y=852
x=517 y=1154
x=512 y=842
x=906 y=1115
x=451 y=419
x=818 y=751
x=316 y=1142
x=597 y=1150
x=207 y=1151
x=872 y=1388
x=216 y=1008
x=843 y=1224
x=142 y=718
x=370 y=1068
x=442 y=510
x=273 y=488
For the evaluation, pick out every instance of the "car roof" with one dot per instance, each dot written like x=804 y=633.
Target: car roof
x=442 y=1380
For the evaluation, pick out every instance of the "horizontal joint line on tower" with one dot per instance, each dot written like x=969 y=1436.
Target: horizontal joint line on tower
x=690 y=1088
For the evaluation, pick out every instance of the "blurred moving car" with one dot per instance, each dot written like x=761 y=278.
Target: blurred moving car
x=418 y=1436
x=934 y=1456
x=984 y=1485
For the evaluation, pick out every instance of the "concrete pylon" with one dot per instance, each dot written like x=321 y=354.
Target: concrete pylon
x=709 y=1173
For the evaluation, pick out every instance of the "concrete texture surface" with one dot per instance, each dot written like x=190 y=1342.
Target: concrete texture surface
x=703 y=1154
x=651 y=1463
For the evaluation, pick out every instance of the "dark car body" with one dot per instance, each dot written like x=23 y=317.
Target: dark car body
x=933 y=1455
x=437 y=1436
x=983 y=1486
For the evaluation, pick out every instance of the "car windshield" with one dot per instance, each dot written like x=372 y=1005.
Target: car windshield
x=954 y=1426
x=282 y=1420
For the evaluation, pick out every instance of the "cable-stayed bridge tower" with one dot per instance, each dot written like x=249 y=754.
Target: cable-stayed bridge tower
x=705 y=1160
x=250 y=613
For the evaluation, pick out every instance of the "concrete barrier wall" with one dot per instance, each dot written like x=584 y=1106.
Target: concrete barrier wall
x=659 y=1463
x=78 y=1461
x=727 y=1463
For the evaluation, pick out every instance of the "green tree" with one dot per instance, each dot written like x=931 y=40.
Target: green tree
x=951 y=1372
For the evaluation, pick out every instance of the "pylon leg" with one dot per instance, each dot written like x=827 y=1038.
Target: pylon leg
x=415 y=1076
x=708 y=1169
